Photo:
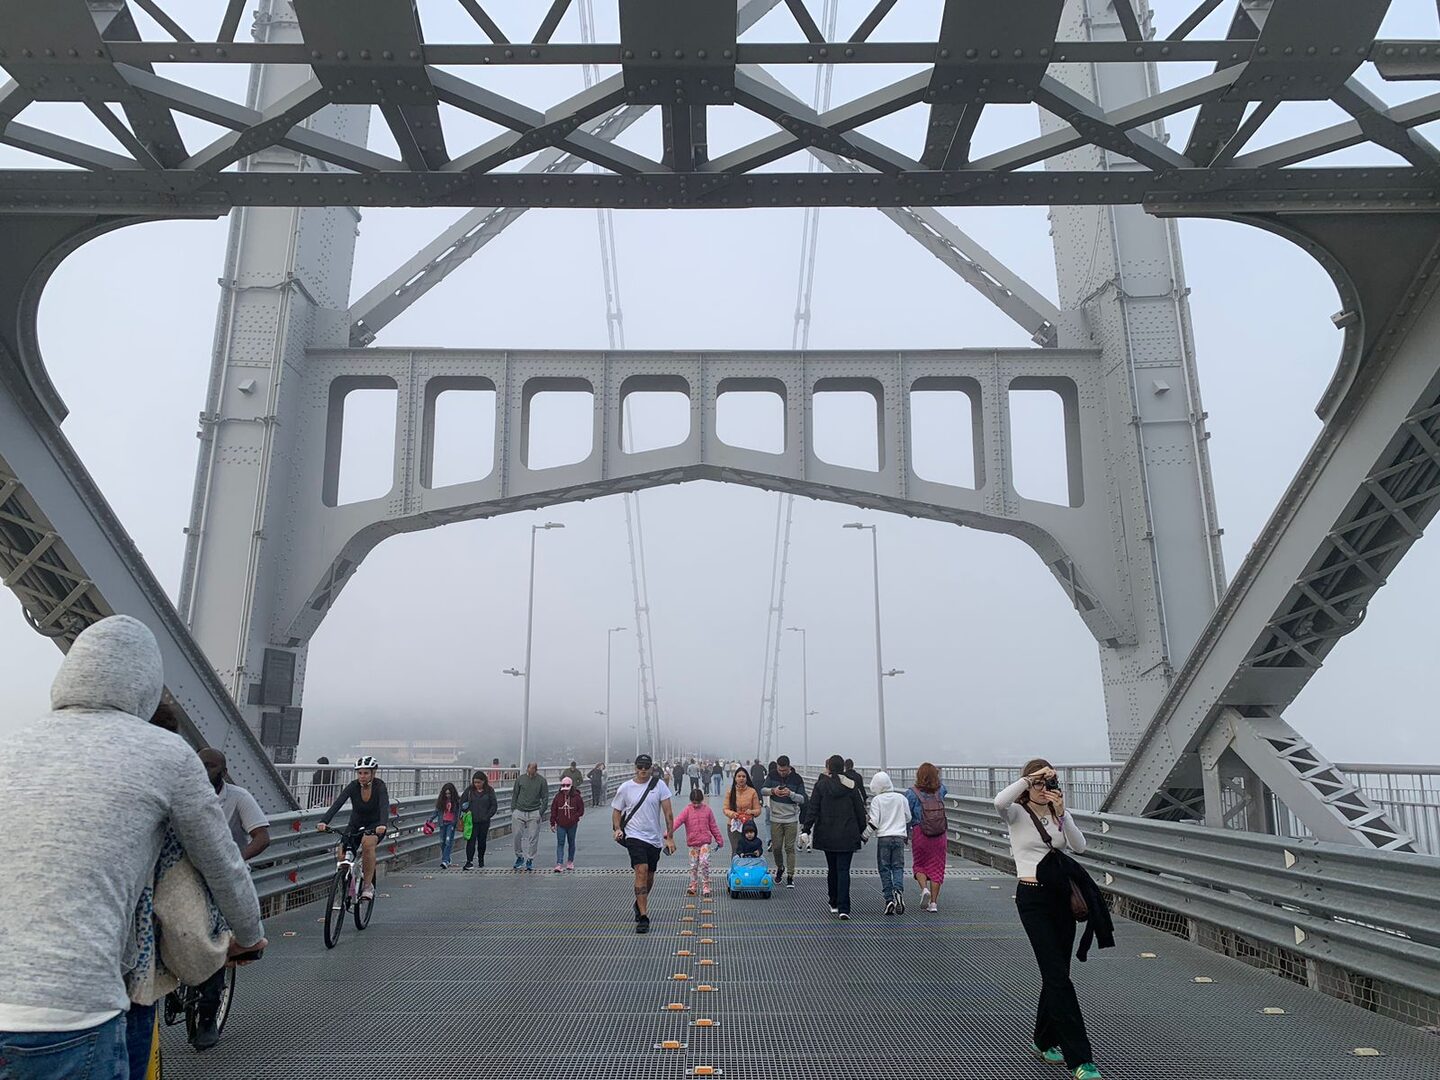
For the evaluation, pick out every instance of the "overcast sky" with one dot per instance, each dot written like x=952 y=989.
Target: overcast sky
x=997 y=666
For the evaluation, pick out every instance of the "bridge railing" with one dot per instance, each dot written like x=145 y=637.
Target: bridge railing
x=300 y=861
x=1356 y=924
x=408 y=781
x=1409 y=794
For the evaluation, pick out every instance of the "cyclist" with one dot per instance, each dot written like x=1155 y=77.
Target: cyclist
x=369 y=810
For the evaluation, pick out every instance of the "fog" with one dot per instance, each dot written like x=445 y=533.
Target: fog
x=996 y=664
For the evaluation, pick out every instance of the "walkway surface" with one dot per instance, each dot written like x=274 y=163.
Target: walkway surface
x=495 y=974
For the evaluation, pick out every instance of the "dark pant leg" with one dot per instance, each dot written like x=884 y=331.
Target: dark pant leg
x=210 y=991
x=1051 y=930
x=832 y=878
x=139 y=1038
x=842 y=882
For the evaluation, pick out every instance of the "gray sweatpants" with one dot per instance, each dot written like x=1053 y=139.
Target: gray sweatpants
x=785 y=833
x=526 y=824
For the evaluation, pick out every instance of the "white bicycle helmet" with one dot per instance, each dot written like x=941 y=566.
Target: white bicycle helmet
x=366 y=762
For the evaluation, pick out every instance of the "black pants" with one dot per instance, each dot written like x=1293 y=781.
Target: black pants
x=1051 y=930
x=837 y=878
x=597 y=793
x=210 y=991
x=480 y=832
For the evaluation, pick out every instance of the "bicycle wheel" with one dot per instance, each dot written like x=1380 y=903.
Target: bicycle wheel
x=363 y=908
x=227 y=997
x=336 y=905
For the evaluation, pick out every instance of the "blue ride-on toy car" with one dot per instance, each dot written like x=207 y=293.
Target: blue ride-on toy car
x=750 y=876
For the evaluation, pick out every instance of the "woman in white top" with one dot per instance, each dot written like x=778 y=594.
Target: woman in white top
x=1034 y=808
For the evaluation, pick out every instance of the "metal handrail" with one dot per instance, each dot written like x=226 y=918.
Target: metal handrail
x=1374 y=913
x=299 y=856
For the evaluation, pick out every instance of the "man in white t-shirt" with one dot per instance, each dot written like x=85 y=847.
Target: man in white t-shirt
x=250 y=829
x=644 y=822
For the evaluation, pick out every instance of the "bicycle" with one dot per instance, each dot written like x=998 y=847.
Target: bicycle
x=346 y=895
x=184 y=1003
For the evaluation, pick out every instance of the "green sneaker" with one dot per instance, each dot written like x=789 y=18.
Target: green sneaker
x=1088 y=1071
x=1052 y=1055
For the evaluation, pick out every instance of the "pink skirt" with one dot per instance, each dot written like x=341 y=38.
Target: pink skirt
x=928 y=854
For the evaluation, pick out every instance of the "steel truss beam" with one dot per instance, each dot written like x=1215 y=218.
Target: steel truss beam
x=1367 y=490
x=371 y=52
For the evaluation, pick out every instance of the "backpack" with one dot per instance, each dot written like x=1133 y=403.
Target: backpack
x=932 y=814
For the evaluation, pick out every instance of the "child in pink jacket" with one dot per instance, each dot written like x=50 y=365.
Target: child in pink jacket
x=701 y=830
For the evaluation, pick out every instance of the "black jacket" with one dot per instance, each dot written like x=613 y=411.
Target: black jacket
x=835 y=814
x=1056 y=871
x=480 y=804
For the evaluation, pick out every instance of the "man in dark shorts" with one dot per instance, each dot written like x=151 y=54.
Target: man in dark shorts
x=644 y=822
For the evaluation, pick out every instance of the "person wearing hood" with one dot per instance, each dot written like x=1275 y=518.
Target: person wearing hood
x=891 y=818
x=835 y=817
x=478 y=803
x=566 y=810
x=69 y=918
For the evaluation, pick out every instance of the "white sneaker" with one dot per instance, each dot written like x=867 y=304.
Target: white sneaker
x=933 y=908
x=834 y=910
x=367 y=893
x=925 y=897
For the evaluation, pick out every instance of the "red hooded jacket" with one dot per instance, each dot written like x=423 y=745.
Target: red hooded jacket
x=567 y=808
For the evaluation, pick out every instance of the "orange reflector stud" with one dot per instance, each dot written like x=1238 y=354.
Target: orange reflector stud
x=705 y=1021
x=708 y=911
x=706 y=988
x=682 y=952
x=689 y=907
x=707 y=962
x=687 y=918
x=707 y=926
x=707 y=941
x=679 y=976
x=677 y=1006
x=705 y=1070
x=670 y=1044
x=288 y=933
x=687 y=933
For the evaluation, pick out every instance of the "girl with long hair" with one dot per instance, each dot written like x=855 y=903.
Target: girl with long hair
x=1034 y=809
x=928 y=840
x=447 y=814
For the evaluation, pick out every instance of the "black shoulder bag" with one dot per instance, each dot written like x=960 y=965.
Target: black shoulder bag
x=625 y=819
x=1078 y=907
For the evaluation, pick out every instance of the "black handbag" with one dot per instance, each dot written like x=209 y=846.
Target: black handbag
x=1079 y=909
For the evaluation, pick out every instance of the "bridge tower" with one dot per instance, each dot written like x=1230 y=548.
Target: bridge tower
x=285 y=289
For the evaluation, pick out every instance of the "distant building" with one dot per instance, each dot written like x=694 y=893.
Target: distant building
x=411 y=751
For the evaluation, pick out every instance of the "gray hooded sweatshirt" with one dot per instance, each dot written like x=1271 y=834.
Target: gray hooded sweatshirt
x=90 y=787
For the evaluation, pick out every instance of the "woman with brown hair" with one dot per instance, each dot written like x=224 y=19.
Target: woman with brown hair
x=1034 y=809
x=929 y=842
x=742 y=804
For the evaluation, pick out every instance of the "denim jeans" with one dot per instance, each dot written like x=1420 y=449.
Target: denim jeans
x=96 y=1053
x=140 y=1038
x=447 y=841
x=564 y=834
x=890 y=857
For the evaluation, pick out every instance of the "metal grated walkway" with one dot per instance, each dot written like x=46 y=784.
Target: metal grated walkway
x=494 y=974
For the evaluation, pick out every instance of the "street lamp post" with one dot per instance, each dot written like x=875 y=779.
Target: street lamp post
x=609 y=640
x=804 y=693
x=529 y=641
x=879 y=672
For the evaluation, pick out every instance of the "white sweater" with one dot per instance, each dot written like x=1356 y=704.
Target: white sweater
x=1026 y=846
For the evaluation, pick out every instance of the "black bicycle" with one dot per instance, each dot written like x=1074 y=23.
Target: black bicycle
x=347 y=895
x=184 y=1003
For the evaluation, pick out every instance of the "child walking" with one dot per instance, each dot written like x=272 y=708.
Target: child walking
x=701 y=830
x=447 y=816
x=891 y=817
